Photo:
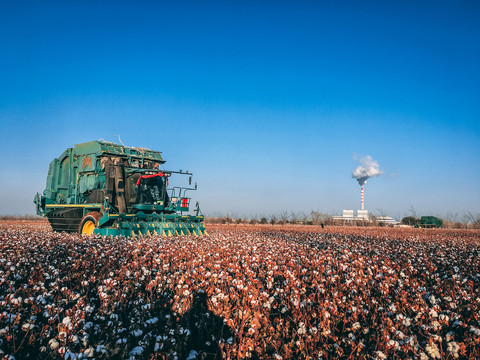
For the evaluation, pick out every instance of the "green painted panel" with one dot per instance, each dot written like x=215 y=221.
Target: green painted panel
x=87 y=182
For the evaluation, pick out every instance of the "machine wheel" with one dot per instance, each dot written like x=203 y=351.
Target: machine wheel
x=65 y=219
x=89 y=222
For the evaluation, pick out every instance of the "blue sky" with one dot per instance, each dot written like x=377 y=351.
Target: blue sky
x=270 y=104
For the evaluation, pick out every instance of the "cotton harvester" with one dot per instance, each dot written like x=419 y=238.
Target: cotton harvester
x=104 y=188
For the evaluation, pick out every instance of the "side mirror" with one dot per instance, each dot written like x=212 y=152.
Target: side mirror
x=190 y=180
x=197 y=204
x=195 y=186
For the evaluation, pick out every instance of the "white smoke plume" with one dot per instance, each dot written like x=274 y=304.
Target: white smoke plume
x=365 y=171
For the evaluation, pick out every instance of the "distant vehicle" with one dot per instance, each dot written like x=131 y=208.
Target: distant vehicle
x=423 y=222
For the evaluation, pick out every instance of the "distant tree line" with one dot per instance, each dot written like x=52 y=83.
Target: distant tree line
x=286 y=217
x=468 y=221
x=21 y=217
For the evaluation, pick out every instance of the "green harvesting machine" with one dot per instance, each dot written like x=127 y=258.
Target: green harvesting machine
x=429 y=222
x=104 y=188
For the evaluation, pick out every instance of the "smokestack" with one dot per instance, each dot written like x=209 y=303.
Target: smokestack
x=362 y=199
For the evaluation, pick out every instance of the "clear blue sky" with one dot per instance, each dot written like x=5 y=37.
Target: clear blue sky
x=269 y=104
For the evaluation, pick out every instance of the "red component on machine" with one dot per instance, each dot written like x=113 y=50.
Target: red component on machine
x=150 y=176
x=185 y=202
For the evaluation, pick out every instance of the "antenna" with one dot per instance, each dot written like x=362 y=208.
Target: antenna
x=120 y=140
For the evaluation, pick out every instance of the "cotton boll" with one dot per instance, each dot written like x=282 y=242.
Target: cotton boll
x=70 y=356
x=301 y=329
x=475 y=330
x=89 y=352
x=138 y=350
x=453 y=348
x=53 y=343
x=433 y=351
x=27 y=327
x=192 y=355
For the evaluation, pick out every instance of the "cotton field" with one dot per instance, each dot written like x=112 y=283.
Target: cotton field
x=268 y=292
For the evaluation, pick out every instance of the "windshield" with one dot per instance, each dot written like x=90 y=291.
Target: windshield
x=151 y=191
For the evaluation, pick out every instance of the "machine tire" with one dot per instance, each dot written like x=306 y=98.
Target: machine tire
x=89 y=223
x=65 y=219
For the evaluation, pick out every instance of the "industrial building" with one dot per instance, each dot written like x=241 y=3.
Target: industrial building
x=349 y=215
